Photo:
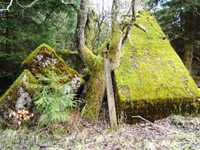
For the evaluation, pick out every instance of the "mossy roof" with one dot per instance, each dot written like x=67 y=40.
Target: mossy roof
x=9 y=98
x=150 y=69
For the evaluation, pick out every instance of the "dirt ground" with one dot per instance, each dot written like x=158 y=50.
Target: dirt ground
x=173 y=133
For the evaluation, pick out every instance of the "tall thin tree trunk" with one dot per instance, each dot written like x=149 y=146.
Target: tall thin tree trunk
x=8 y=33
x=189 y=39
x=188 y=55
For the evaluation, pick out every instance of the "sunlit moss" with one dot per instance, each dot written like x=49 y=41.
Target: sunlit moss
x=152 y=80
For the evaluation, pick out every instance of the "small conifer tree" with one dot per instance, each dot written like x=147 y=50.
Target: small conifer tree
x=54 y=100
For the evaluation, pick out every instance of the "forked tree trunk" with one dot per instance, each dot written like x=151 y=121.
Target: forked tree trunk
x=96 y=83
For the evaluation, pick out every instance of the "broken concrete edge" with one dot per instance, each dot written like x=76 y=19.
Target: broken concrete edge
x=16 y=82
x=160 y=109
x=33 y=55
x=19 y=97
x=45 y=51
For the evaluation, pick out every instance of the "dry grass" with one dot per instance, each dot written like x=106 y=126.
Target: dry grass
x=175 y=132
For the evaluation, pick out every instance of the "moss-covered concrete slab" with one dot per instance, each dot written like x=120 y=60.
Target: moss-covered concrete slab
x=41 y=60
x=152 y=81
x=19 y=96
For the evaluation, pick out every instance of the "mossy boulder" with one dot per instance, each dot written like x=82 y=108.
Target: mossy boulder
x=18 y=97
x=152 y=81
x=73 y=60
x=41 y=60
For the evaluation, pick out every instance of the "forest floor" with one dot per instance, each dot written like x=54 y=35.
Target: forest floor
x=174 y=132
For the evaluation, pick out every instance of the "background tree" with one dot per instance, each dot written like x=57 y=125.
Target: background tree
x=27 y=24
x=179 y=20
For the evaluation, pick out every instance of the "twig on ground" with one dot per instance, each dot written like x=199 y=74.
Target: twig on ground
x=5 y=122
x=155 y=125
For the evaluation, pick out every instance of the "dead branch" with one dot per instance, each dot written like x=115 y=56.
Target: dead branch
x=130 y=25
x=73 y=5
x=7 y=8
x=155 y=125
x=140 y=27
x=27 y=6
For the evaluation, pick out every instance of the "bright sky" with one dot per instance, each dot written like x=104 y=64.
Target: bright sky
x=108 y=4
x=99 y=3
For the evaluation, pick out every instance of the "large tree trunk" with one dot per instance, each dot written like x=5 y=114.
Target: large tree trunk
x=95 y=90
x=113 y=44
x=96 y=83
x=189 y=39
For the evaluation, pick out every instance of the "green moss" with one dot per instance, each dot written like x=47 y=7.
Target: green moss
x=115 y=52
x=65 y=54
x=12 y=95
x=43 y=57
x=95 y=90
x=151 y=75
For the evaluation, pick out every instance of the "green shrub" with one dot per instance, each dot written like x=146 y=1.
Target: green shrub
x=53 y=101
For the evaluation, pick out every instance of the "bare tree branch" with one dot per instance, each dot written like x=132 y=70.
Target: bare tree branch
x=27 y=6
x=155 y=125
x=73 y=5
x=140 y=27
x=124 y=41
x=107 y=40
x=7 y=8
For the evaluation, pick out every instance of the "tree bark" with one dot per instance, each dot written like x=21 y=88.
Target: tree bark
x=189 y=39
x=96 y=83
x=113 y=43
x=95 y=90
x=90 y=24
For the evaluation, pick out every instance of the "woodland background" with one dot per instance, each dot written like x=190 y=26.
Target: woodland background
x=52 y=22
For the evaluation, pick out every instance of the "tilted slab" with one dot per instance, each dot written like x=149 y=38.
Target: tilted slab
x=19 y=96
x=152 y=81
x=41 y=60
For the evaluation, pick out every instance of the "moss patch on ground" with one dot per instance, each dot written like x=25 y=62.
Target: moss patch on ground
x=152 y=80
